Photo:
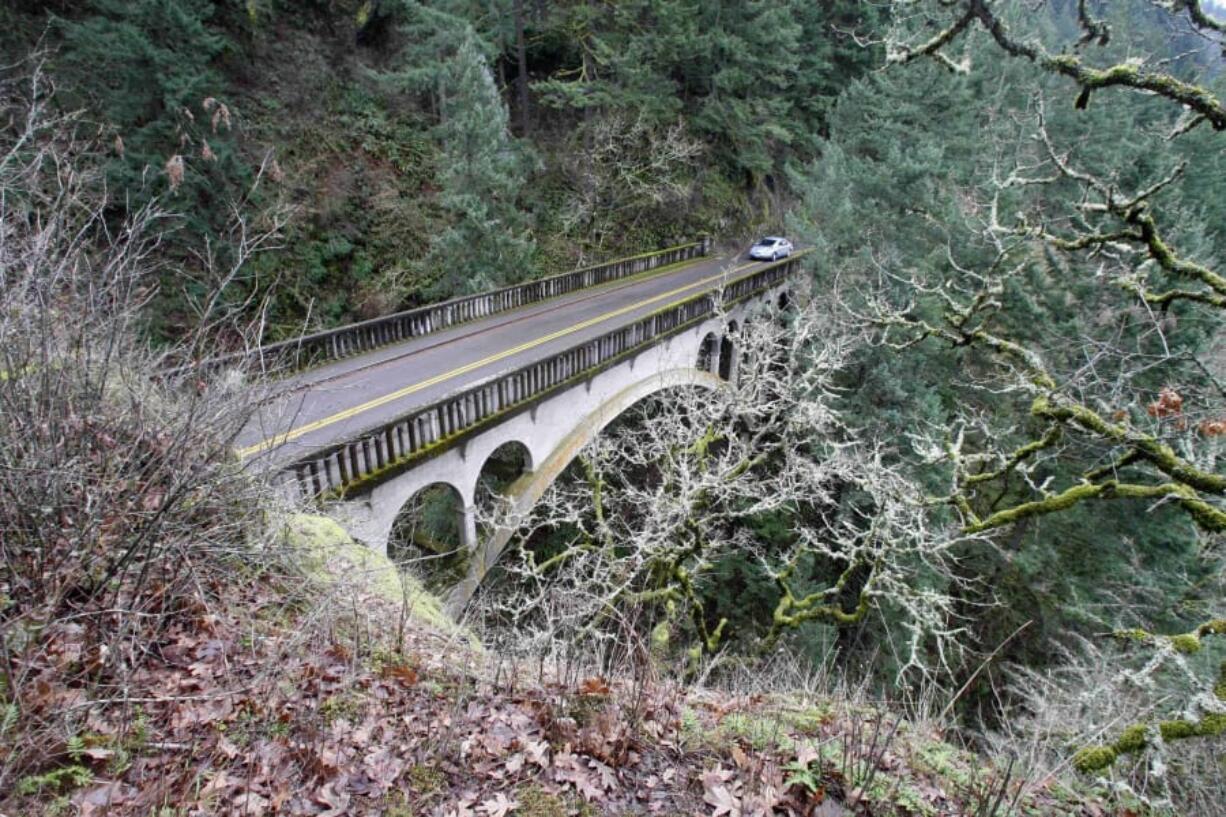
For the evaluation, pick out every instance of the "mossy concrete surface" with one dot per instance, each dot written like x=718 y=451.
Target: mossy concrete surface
x=331 y=555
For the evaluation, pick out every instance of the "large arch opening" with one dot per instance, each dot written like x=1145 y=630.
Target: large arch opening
x=530 y=587
x=708 y=353
x=562 y=460
x=428 y=536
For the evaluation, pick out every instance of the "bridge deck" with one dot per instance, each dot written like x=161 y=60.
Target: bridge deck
x=339 y=400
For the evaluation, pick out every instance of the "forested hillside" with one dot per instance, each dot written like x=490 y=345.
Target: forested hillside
x=966 y=490
x=431 y=149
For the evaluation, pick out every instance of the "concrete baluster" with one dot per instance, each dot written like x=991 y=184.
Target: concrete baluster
x=303 y=475
x=328 y=473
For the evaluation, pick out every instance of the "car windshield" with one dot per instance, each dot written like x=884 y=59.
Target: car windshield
x=766 y=242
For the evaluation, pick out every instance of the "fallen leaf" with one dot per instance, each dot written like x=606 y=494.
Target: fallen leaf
x=334 y=797
x=99 y=799
x=594 y=686
x=498 y=805
x=250 y=804
x=403 y=673
x=538 y=752
x=717 y=793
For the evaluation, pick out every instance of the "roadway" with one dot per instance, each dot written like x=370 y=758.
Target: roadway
x=341 y=399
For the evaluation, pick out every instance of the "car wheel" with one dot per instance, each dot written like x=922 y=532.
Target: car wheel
x=774 y=256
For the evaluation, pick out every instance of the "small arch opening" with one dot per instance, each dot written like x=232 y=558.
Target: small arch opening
x=708 y=353
x=505 y=464
x=727 y=352
x=428 y=536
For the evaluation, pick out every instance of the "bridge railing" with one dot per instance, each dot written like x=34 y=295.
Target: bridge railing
x=364 y=336
x=381 y=451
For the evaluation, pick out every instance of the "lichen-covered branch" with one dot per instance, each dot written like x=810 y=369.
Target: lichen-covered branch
x=1203 y=513
x=1098 y=411
x=1088 y=79
x=1188 y=643
x=791 y=612
x=1051 y=437
x=1196 y=13
x=659 y=505
x=1188 y=486
x=1139 y=736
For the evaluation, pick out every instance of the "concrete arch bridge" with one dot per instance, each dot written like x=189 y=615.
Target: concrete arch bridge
x=389 y=408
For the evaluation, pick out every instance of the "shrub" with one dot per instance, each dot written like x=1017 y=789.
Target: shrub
x=121 y=506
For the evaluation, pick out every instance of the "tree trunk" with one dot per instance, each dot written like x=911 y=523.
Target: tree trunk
x=521 y=82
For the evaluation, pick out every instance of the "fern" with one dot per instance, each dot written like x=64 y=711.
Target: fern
x=61 y=779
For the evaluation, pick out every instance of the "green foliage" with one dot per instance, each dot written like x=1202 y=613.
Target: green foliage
x=754 y=78
x=63 y=778
x=344 y=96
x=433 y=33
x=148 y=75
x=148 y=71
x=535 y=801
x=806 y=775
x=914 y=160
x=481 y=172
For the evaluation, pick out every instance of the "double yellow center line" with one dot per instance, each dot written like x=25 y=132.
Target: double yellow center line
x=293 y=434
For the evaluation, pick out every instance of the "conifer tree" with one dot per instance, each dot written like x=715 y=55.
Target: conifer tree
x=481 y=170
x=433 y=32
x=146 y=67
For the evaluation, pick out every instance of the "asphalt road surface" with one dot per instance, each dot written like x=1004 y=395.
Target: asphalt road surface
x=341 y=399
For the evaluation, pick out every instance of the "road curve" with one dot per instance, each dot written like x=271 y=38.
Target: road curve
x=339 y=400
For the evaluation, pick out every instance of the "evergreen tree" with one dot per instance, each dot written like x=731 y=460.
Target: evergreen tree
x=147 y=68
x=147 y=72
x=481 y=171
x=433 y=32
x=754 y=78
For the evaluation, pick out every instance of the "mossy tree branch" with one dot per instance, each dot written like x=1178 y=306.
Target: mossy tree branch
x=1139 y=736
x=791 y=612
x=685 y=486
x=1071 y=412
x=1087 y=78
x=1189 y=485
x=1196 y=13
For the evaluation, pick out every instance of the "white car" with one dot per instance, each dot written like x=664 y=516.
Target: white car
x=771 y=248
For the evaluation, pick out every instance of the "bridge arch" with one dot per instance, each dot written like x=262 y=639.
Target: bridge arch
x=531 y=487
x=501 y=469
x=708 y=353
x=430 y=532
x=551 y=431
